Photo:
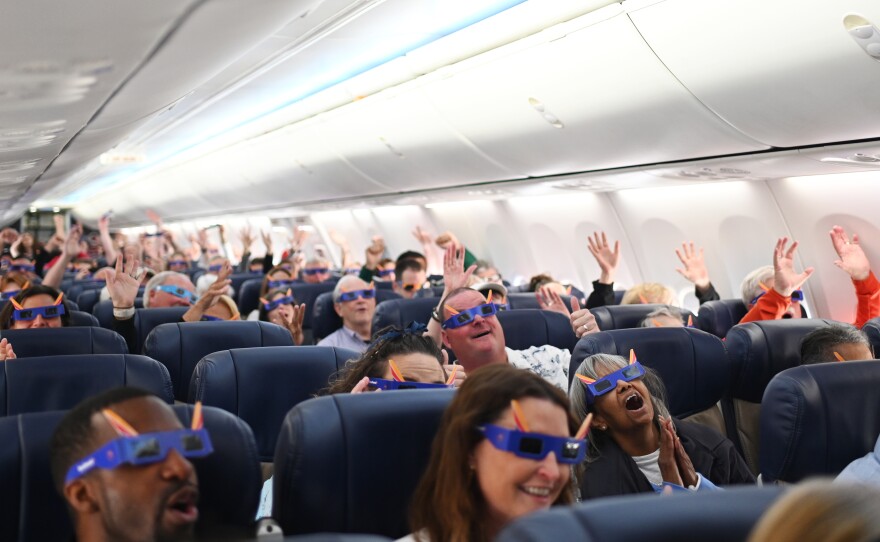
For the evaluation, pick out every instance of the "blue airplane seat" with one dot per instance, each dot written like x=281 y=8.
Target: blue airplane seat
x=693 y=365
x=525 y=328
x=103 y=311
x=350 y=463
x=384 y=285
x=337 y=537
x=29 y=343
x=88 y=299
x=260 y=385
x=248 y=298
x=180 y=346
x=307 y=293
x=816 y=419
x=324 y=318
x=721 y=516
x=717 y=317
x=759 y=351
x=41 y=384
x=618 y=296
x=400 y=312
x=146 y=320
x=629 y=316
x=527 y=300
x=81 y=319
x=77 y=287
x=872 y=330
x=31 y=509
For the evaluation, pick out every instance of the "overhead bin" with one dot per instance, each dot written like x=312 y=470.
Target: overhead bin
x=786 y=73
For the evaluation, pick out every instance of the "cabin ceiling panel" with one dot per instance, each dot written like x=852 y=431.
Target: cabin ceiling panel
x=617 y=103
x=786 y=73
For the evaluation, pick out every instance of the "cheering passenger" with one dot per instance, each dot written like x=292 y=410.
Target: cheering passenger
x=279 y=307
x=355 y=302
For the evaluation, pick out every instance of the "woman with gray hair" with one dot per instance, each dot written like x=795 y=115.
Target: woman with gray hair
x=635 y=445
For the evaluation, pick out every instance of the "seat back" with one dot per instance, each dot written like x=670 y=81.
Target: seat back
x=82 y=319
x=146 y=320
x=629 y=316
x=816 y=419
x=525 y=328
x=759 y=351
x=261 y=385
x=77 y=287
x=180 y=346
x=103 y=311
x=88 y=299
x=324 y=318
x=307 y=293
x=249 y=296
x=61 y=341
x=717 y=317
x=721 y=516
x=350 y=463
x=527 y=300
x=48 y=383
x=872 y=330
x=693 y=365
x=31 y=509
x=400 y=312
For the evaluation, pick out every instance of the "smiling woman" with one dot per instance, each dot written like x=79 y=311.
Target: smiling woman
x=504 y=449
x=35 y=307
x=635 y=446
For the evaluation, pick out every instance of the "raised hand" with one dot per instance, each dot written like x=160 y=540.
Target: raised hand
x=6 y=351
x=550 y=300
x=668 y=465
x=123 y=284
x=607 y=258
x=247 y=238
x=211 y=296
x=71 y=244
x=785 y=279
x=267 y=240
x=694 y=265
x=445 y=239
x=685 y=466
x=299 y=238
x=374 y=252
x=454 y=274
x=852 y=257
x=582 y=320
x=293 y=321
x=337 y=238
x=422 y=236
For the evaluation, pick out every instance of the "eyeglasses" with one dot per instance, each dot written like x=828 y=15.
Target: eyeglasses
x=595 y=388
x=316 y=271
x=271 y=305
x=178 y=263
x=385 y=272
x=467 y=316
x=143 y=450
x=49 y=311
x=178 y=292
x=797 y=295
x=279 y=283
x=9 y=295
x=22 y=267
x=209 y=318
x=352 y=270
x=354 y=294
x=409 y=287
x=383 y=384
x=535 y=445
x=215 y=268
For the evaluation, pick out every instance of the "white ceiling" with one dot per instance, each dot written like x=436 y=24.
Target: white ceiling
x=235 y=113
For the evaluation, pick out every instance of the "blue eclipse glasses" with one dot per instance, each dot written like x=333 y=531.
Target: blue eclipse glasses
x=797 y=295
x=9 y=295
x=22 y=267
x=280 y=283
x=286 y=300
x=535 y=446
x=383 y=384
x=385 y=272
x=142 y=450
x=178 y=263
x=215 y=268
x=354 y=294
x=316 y=271
x=209 y=318
x=465 y=317
x=49 y=311
x=178 y=292
x=595 y=388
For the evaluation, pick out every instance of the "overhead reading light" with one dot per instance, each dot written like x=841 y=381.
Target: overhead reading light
x=42 y=84
x=538 y=106
x=30 y=137
x=860 y=160
x=865 y=34
x=708 y=174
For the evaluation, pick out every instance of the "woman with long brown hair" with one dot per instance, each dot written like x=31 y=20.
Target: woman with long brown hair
x=503 y=450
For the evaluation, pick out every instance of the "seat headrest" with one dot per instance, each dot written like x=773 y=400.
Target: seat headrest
x=722 y=516
x=30 y=508
x=103 y=311
x=816 y=419
x=249 y=296
x=180 y=346
x=60 y=382
x=527 y=300
x=87 y=299
x=400 y=312
x=82 y=319
x=717 y=317
x=692 y=363
x=261 y=385
x=65 y=340
x=629 y=316
x=525 y=328
x=324 y=318
x=350 y=463
x=146 y=320
x=872 y=330
x=307 y=293
x=761 y=350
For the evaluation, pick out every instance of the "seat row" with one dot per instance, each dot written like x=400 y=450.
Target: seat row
x=349 y=463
